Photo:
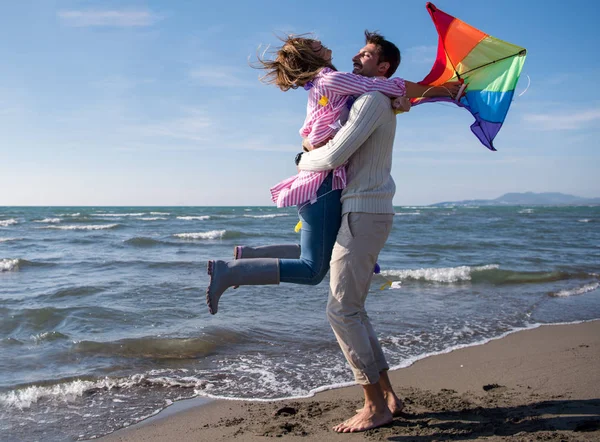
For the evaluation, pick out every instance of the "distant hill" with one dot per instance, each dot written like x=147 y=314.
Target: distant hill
x=527 y=199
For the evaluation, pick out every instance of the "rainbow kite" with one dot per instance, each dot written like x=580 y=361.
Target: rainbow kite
x=489 y=67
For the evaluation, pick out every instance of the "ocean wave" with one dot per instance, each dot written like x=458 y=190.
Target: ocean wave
x=142 y=241
x=213 y=234
x=7 y=264
x=272 y=215
x=526 y=211
x=194 y=218
x=585 y=220
x=10 y=342
x=407 y=213
x=76 y=291
x=151 y=347
x=10 y=239
x=48 y=220
x=118 y=214
x=7 y=222
x=160 y=213
x=153 y=218
x=576 y=291
x=70 y=214
x=70 y=390
x=488 y=274
x=25 y=397
x=48 y=337
x=90 y=227
x=448 y=274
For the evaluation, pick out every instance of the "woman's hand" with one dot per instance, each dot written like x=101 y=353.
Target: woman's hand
x=306 y=146
x=401 y=104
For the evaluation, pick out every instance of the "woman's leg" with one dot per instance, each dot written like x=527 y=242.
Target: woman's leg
x=283 y=251
x=225 y=274
x=320 y=224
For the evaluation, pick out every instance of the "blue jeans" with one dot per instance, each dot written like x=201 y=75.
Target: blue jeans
x=320 y=225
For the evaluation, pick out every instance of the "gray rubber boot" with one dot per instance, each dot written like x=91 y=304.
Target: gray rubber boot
x=281 y=251
x=224 y=274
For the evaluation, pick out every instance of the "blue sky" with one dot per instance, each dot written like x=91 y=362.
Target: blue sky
x=153 y=102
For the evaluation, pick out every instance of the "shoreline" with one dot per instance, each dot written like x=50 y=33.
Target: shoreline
x=541 y=382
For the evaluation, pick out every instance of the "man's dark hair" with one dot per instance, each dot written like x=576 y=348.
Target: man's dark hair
x=386 y=50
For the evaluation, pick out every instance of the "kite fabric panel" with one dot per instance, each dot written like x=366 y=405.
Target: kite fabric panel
x=489 y=67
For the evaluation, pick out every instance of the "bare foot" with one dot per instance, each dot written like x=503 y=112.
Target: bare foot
x=395 y=405
x=364 y=420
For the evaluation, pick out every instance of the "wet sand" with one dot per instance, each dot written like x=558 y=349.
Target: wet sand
x=534 y=385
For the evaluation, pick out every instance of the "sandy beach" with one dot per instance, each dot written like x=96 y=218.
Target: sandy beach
x=539 y=384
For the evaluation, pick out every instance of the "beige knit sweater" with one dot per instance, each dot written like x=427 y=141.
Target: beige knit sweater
x=366 y=143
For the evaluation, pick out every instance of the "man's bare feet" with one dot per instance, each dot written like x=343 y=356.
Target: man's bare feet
x=394 y=404
x=364 y=420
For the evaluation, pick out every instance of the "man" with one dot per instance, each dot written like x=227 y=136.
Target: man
x=365 y=143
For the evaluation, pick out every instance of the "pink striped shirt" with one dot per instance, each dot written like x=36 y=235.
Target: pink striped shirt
x=327 y=101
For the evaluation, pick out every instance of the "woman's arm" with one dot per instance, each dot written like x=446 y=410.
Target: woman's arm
x=366 y=116
x=416 y=90
x=346 y=83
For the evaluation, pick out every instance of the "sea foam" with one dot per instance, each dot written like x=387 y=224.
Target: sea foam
x=213 y=234
x=92 y=227
x=192 y=218
x=48 y=220
x=272 y=215
x=448 y=274
x=576 y=291
x=118 y=214
x=7 y=264
x=7 y=222
x=70 y=391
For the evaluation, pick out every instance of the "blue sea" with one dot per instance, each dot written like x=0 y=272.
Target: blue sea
x=103 y=320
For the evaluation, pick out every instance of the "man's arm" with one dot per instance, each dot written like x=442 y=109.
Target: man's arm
x=365 y=117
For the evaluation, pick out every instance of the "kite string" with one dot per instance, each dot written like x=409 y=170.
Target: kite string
x=448 y=90
x=528 y=84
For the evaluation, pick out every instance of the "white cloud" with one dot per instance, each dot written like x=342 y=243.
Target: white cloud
x=196 y=127
x=563 y=121
x=113 y=18
x=220 y=76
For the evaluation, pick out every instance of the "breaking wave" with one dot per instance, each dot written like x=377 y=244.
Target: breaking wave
x=90 y=227
x=194 y=218
x=272 y=215
x=49 y=220
x=490 y=274
x=118 y=214
x=449 y=274
x=7 y=222
x=70 y=391
x=7 y=264
x=576 y=291
x=213 y=234
x=13 y=264
x=10 y=239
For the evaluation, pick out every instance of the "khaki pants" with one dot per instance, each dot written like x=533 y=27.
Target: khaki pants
x=359 y=241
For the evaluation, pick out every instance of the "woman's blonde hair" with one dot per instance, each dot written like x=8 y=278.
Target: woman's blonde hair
x=296 y=63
